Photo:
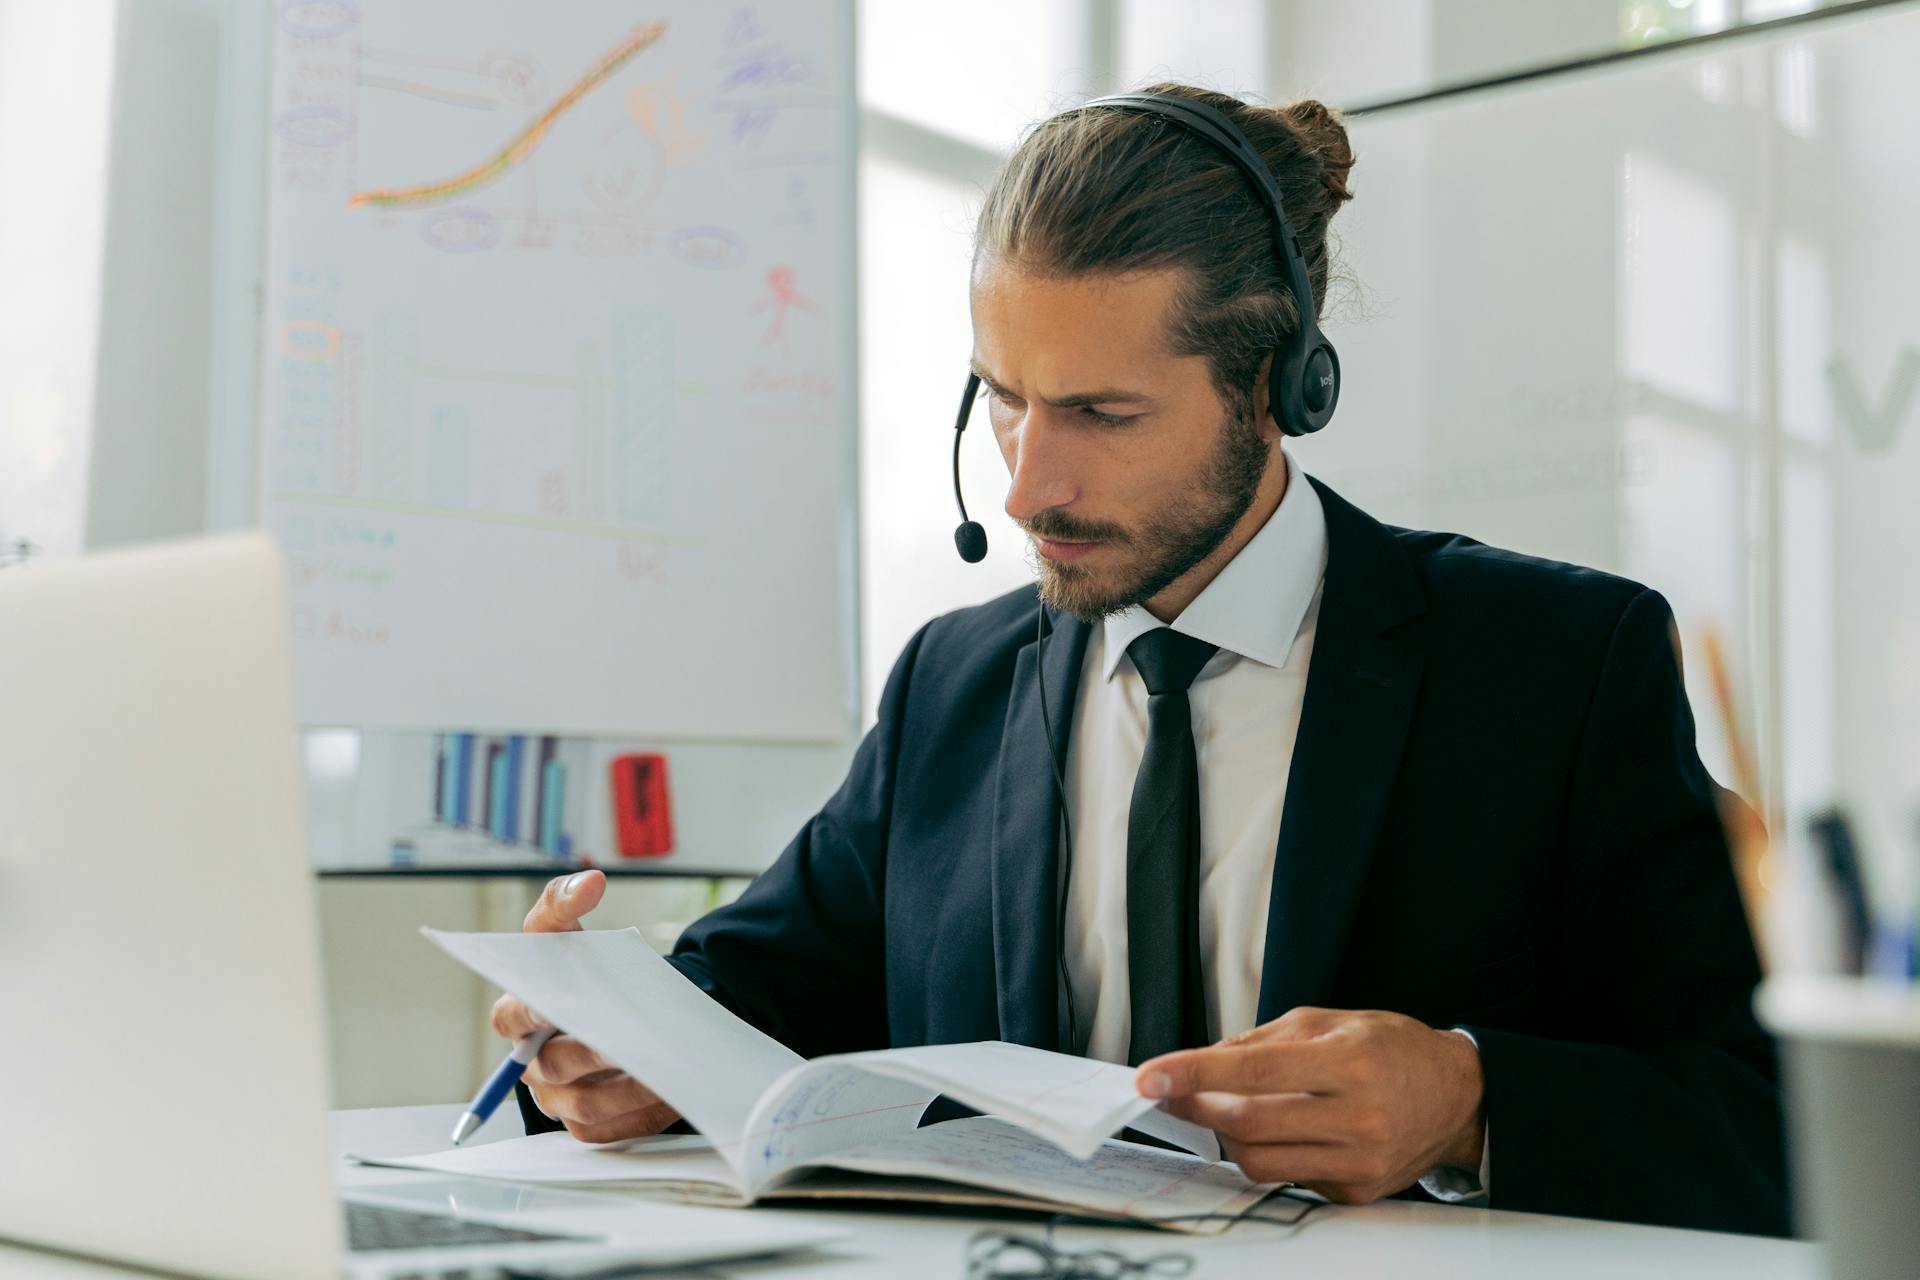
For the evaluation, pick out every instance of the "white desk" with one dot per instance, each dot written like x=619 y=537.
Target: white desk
x=1392 y=1239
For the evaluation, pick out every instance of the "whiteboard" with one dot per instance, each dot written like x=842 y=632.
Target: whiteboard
x=556 y=409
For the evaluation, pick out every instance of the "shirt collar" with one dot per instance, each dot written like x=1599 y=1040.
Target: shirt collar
x=1254 y=606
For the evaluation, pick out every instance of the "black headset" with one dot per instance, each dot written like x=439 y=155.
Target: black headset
x=1303 y=384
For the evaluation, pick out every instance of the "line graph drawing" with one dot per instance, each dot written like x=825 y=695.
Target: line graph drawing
x=525 y=142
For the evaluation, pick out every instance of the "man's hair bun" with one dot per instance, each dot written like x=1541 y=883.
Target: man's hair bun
x=1321 y=132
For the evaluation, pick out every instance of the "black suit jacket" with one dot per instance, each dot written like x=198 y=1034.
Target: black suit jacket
x=1495 y=818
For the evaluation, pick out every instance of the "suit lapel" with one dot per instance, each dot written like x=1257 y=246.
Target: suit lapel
x=1026 y=830
x=1359 y=701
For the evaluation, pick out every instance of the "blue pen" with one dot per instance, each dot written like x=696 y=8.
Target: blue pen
x=500 y=1084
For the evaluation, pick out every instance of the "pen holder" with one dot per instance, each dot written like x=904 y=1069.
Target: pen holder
x=1852 y=1059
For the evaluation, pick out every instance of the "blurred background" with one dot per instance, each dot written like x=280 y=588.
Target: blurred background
x=1624 y=283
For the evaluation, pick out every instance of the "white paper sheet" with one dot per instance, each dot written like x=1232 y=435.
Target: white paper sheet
x=613 y=991
x=1075 y=1103
x=560 y=1158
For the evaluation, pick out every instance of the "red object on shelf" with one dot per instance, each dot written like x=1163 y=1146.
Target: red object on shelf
x=642 y=817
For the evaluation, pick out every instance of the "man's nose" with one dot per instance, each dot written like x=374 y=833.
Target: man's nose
x=1040 y=457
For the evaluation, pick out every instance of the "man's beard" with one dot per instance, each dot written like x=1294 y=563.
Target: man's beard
x=1169 y=543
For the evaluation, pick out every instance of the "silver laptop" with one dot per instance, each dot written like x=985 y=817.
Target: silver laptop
x=163 y=1056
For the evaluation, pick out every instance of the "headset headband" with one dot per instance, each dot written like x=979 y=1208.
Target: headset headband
x=1304 y=381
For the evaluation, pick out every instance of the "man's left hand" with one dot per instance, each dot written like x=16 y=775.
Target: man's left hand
x=1353 y=1105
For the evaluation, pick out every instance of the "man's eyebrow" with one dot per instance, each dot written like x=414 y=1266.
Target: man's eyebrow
x=1079 y=399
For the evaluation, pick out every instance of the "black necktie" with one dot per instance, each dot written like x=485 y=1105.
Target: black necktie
x=1163 y=855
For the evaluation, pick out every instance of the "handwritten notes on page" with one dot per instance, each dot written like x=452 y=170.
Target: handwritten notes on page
x=1075 y=1103
x=820 y=1108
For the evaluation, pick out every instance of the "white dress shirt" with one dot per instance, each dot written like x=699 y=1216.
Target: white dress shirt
x=1261 y=610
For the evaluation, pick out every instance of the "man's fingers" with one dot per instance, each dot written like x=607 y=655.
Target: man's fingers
x=599 y=1102
x=1346 y=1174
x=1280 y=1117
x=565 y=1060
x=1302 y=1022
x=564 y=901
x=643 y=1123
x=512 y=1020
x=1263 y=1066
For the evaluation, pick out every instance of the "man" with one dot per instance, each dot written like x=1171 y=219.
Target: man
x=1387 y=855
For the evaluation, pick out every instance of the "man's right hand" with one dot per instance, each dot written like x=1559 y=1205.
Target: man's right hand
x=596 y=1100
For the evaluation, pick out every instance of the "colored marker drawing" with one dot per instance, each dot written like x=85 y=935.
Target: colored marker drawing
x=522 y=145
x=660 y=112
x=781 y=298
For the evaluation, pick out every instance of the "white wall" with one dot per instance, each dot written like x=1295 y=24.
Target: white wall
x=106 y=250
x=147 y=477
x=56 y=75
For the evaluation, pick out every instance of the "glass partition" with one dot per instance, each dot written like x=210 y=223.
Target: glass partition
x=1658 y=317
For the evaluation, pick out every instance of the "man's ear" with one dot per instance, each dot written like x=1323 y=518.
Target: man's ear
x=1263 y=402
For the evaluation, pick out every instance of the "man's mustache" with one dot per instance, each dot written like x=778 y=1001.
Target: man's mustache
x=1056 y=525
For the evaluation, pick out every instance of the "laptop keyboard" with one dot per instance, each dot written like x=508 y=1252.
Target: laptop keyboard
x=371 y=1226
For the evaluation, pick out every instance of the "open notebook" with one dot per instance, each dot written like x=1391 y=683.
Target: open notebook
x=774 y=1123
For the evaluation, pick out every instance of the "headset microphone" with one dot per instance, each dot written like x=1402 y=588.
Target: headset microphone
x=970 y=538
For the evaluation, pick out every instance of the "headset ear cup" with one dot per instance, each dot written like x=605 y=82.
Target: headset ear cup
x=1323 y=367
x=1283 y=392
x=1293 y=408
